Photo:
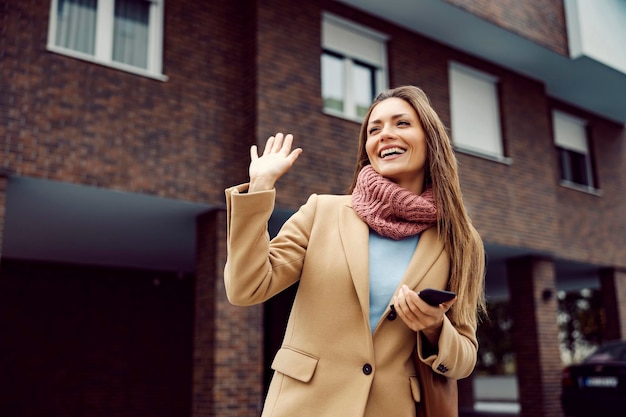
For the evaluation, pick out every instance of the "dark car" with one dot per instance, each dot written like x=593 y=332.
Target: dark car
x=597 y=386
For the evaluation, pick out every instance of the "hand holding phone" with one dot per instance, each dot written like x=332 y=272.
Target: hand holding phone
x=435 y=297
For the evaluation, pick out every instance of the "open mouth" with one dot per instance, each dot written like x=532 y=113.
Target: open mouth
x=391 y=151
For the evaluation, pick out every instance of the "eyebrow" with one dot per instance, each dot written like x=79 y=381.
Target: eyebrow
x=394 y=117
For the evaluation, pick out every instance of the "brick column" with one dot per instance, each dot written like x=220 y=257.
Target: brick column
x=613 y=293
x=228 y=340
x=532 y=284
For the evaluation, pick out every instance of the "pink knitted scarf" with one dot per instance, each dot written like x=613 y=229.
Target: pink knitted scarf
x=390 y=210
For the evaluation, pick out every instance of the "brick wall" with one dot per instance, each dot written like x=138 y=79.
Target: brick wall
x=534 y=335
x=228 y=340
x=239 y=73
x=542 y=21
x=592 y=227
x=75 y=121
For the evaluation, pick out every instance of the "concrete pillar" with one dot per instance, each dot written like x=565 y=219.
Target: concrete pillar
x=228 y=340
x=532 y=284
x=613 y=293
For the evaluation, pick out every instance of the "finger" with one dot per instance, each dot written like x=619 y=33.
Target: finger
x=448 y=304
x=295 y=154
x=269 y=145
x=404 y=313
x=412 y=299
x=278 y=142
x=286 y=145
x=254 y=154
x=403 y=308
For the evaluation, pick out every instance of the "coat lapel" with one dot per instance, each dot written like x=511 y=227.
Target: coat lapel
x=429 y=248
x=354 y=234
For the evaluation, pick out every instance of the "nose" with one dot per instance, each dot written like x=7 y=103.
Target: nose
x=386 y=132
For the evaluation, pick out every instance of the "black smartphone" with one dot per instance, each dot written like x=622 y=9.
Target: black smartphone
x=435 y=297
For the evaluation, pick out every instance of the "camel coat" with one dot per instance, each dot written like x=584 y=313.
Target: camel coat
x=330 y=364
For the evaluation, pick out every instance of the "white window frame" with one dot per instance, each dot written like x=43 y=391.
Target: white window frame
x=475 y=112
x=355 y=43
x=104 y=39
x=570 y=134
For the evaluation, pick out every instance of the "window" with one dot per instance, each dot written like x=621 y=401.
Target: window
x=353 y=67
x=475 y=113
x=570 y=138
x=126 y=34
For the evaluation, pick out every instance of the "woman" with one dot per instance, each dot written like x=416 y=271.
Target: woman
x=360 y=260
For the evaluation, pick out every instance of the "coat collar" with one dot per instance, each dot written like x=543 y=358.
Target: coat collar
x=354 y=234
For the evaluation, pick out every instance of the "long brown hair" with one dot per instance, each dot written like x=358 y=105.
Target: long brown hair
x=467 y=264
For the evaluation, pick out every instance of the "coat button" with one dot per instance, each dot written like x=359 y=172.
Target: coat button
x=392 y=314
x=367 y=369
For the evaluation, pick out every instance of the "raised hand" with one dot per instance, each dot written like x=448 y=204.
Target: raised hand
x=276 y=160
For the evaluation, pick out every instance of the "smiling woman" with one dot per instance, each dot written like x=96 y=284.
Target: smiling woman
x=401 y=229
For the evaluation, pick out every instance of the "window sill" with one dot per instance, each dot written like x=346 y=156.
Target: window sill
x=116 y=65
x=341 y=115
x=582 y=188
x=495 y=158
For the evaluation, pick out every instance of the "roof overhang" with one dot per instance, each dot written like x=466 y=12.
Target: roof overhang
x=69 y=223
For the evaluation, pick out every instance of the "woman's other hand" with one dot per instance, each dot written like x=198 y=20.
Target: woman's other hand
x=418 y=315
x=276 y=160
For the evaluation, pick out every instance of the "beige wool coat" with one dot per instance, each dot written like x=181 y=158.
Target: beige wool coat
x=330 y=364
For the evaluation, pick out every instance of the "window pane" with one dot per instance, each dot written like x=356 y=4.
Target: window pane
x=130 y=32
x=333 y=82
x=363 y=82
x=579 y=168
x=574 y=167
x=76 y=25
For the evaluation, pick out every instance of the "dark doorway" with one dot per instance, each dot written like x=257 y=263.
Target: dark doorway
x=82 y=341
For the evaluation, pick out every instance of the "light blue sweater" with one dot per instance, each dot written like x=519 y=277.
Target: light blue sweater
x=388 y=260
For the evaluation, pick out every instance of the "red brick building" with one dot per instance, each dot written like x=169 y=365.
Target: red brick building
x=121 y=123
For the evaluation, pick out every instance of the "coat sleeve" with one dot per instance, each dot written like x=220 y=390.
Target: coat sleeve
x=456 y=354
x=256 y=268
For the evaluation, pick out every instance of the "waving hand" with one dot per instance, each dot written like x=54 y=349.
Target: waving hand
x=276 y=160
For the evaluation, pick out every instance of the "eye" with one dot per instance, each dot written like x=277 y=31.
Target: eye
x=373 y=130
x=404 y=123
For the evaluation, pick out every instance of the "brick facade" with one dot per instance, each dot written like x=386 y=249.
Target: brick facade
x=74 y=121
x=188 y=138
x=228 y=340
x=240 y=71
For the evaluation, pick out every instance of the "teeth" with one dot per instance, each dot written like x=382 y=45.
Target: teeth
x=391 y=151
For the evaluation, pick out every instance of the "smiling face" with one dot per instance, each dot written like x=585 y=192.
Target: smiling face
x=396 y=144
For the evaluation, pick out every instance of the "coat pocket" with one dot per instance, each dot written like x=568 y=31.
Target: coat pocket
x=295 y=364
x=415 y=388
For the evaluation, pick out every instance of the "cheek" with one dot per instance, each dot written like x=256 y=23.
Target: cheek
x=370 y=148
